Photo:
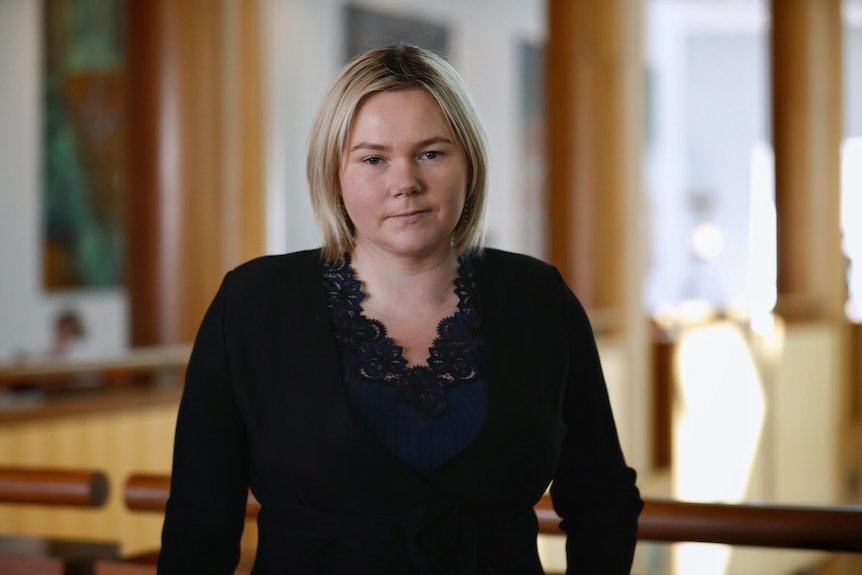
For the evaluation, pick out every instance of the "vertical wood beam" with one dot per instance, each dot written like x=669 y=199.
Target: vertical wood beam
x=807 y=132
x=595 y=93
x=592 y=62
x=807 y=76
x=195 y=206
x=576 y=138
x=250 y=138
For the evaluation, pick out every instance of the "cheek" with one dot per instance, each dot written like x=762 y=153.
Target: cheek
x=353 y=186
x=347 y=189
x=356 y=203
x=459 y=193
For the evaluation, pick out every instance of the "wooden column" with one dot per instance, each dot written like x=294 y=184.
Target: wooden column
x=851 y=435
x=807 y=132
x=195 y=207
x=595 y=95
x=807 y=76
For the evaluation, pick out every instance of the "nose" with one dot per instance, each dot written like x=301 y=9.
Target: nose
x=405 y=179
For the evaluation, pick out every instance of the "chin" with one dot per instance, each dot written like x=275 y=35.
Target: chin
x=416 y=250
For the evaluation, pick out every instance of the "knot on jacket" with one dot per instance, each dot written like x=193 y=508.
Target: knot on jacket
x=441 y=537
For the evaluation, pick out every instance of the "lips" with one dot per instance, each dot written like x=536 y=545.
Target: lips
x=410 y=217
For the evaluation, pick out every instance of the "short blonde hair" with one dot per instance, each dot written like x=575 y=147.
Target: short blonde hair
x=393 y=67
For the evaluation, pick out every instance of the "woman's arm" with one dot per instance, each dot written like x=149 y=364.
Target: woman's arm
x=205 y=513
x=594 y=491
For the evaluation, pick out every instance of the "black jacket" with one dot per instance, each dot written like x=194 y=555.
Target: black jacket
x=265 y=407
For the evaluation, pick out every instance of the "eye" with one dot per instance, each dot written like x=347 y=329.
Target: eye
x=373 y=160
x=430 y=155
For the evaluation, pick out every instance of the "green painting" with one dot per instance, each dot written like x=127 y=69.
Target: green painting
x=84 y=151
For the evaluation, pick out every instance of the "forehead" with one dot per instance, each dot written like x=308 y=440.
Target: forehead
x=400 y=105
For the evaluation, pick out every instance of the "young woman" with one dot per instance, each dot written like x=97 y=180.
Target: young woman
x=400 y=399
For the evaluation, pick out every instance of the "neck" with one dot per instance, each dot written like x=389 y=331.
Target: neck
x=405 y=281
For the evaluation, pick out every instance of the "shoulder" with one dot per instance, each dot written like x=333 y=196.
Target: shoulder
x=274 y=272
x=524 y=282
x=306 y=260
x=513 y=268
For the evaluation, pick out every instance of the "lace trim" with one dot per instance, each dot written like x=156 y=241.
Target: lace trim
x=453 y=356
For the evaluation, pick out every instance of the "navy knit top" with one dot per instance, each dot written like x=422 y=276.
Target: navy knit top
x=423 y=414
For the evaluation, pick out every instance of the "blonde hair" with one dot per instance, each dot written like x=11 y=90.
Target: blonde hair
x=393 y=67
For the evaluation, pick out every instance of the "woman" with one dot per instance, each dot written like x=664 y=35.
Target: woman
x=398 y=400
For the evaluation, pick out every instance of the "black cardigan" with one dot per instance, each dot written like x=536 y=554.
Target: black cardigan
x=264 y=406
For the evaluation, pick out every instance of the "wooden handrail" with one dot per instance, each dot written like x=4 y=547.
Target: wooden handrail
x=123 y=364
x=819 y=528
x=53 y=486
x=825 y=528
x=149 y=492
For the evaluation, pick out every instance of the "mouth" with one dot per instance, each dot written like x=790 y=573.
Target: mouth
x=410 y=217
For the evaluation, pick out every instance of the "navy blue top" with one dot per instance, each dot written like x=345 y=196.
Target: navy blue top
x=424 y=414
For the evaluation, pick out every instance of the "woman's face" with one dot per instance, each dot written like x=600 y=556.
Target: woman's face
x=403 y=175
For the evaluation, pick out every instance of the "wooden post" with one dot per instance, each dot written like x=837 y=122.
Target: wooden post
x=195 y=206
x=807 y=131
x=595 y=93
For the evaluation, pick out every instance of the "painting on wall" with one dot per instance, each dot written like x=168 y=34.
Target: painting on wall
x=367 y=29
x=83 y=158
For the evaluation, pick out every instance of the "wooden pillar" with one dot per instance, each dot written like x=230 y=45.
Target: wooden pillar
x=807 y=76
x=595 y=96
x=807 y=132
x=851 y=437
x=195 y=202
x=594 y=89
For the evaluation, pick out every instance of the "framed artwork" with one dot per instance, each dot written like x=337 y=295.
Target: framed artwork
x=84 y=146
x=368 y=29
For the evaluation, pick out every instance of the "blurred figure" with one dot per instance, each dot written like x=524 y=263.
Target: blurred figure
x=69 y=334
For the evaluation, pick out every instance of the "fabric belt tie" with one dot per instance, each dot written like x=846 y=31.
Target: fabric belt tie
x=442 y=535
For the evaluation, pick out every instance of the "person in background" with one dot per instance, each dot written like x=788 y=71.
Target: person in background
x=399 y=399
x=69 y=333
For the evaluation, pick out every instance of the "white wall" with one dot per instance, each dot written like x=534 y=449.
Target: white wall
x=26 y=309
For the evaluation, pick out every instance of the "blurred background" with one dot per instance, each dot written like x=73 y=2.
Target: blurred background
x=693 y=167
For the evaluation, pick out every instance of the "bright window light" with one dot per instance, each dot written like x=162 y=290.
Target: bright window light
x=718 y=423
x=762 y=240
x=851 y=223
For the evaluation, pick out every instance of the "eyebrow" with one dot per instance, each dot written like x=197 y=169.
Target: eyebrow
x=420 y=144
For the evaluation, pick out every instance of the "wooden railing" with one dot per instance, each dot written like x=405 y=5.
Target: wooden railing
x=115 y=368
x=55 y=487
x=149 y=492
x=43 y=486
x=821 y=528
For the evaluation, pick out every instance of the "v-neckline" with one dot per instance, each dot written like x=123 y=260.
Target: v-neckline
x=482 y=300
x=430 y=351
